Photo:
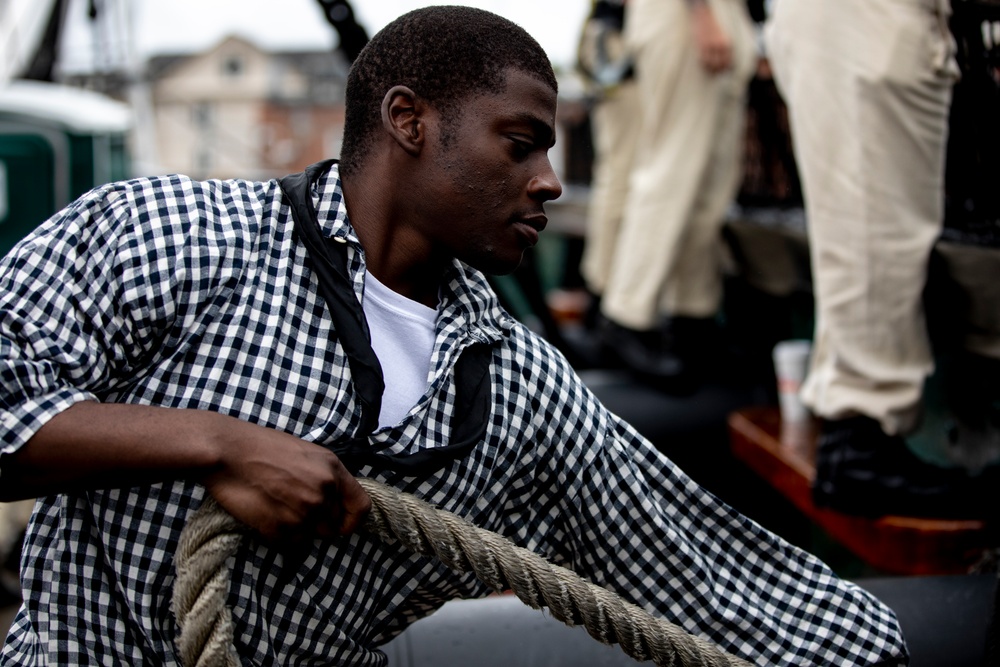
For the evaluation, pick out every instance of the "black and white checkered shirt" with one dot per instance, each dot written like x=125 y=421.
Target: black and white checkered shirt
x=196 y=295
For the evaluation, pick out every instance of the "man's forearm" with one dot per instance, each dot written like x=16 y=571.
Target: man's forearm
x=94 y=445
x=284 y=487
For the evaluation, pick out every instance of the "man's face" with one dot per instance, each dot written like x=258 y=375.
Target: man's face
x=490 y=174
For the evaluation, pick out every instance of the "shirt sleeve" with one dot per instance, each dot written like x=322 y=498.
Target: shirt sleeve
x=631 y=521
x=83 y=300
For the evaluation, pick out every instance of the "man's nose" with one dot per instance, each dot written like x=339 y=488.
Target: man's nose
x=545 y=185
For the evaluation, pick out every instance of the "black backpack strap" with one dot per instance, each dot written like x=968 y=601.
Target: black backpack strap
x=329 y=263
x=472 y=379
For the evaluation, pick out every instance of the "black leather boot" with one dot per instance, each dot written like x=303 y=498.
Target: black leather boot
x=861 y=470
x=651 y=356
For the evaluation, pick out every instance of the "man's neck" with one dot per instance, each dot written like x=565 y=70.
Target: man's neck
x=394 y=253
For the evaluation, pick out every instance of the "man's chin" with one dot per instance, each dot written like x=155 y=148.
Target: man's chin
x=495 y=266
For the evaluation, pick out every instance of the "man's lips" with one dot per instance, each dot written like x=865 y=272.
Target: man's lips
x=530 y=226
x=537 y=221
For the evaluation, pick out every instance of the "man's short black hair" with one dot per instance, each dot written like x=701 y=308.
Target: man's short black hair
x=444 y=54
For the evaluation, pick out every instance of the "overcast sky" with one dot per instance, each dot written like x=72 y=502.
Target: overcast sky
x=171 y=26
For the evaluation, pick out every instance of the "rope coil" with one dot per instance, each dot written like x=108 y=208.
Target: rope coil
x=212 y=536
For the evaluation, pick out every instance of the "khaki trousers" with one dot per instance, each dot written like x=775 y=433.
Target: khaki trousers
x=616 y=132
x=868 y=87
x=661 y=254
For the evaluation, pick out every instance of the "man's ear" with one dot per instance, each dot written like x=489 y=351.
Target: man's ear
x=403 y=118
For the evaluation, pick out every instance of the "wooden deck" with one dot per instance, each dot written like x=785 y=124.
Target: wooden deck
x=784 y=457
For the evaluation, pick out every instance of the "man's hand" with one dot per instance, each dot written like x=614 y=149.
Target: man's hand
x=715 y=48
x=286 y=489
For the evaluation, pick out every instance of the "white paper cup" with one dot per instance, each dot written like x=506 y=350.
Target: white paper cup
x=791 y=363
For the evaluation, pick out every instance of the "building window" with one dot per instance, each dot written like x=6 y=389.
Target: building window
x=232 y=66
x=201 y=114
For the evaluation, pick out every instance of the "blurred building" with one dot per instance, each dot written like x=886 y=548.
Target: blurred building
x=237 y=110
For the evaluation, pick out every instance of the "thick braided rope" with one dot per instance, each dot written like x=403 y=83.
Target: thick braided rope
x=210 y=537
x=206 y=626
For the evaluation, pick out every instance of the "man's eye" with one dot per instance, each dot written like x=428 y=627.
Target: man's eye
x=521 y=148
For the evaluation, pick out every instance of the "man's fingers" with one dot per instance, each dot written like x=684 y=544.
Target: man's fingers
x=344 y=511
x=356 y=507
x=291 y=492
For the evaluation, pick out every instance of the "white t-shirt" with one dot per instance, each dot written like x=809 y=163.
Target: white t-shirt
x=403 y=339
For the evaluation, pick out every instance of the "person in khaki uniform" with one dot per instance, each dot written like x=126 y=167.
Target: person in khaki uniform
x=652 y=252
x=868 y=87
x=610 y=76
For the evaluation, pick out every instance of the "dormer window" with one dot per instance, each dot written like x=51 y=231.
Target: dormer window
x=232 y=66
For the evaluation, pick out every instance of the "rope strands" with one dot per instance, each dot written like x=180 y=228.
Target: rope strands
x=212 y=536
x=500 y=564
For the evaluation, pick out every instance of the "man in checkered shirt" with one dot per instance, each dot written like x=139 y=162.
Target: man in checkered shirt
x=161 y=339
